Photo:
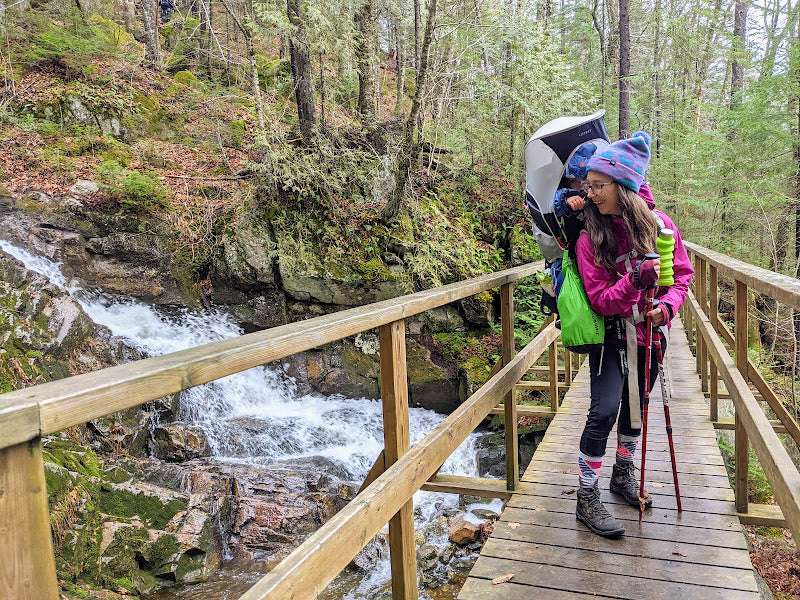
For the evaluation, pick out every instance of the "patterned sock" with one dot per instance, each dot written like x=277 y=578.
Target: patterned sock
x=589 y=469
x=626 y=447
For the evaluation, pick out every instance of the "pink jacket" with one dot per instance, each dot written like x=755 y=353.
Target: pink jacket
x=617 y=297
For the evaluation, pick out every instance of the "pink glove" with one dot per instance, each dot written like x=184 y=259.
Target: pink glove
x=644 y=275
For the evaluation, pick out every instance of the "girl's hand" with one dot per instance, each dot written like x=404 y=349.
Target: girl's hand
x=646 y=273
x=658 y=315
x=576 y=202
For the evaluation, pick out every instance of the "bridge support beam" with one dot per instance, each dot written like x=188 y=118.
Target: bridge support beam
x=27 y=567
x=397 y=441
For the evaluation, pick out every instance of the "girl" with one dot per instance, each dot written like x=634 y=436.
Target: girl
x=621 y=227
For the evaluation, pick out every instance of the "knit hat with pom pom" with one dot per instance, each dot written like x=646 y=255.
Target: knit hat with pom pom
x=624 y=161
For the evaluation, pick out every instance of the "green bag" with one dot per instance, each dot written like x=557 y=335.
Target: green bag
x=581 y=327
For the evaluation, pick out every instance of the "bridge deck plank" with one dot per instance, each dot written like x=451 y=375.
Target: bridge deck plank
x=700 y=553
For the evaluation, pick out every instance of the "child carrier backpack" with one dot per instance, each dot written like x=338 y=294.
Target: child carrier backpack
x=547 y=154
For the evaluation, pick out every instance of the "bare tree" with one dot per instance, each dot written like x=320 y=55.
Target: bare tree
x=301 y=69
x=151 y=42
x=409 y=149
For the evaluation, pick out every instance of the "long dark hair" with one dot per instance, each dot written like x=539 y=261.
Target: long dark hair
x=639 y=221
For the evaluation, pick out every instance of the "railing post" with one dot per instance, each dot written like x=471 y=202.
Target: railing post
x=700 y=347
x=27 y=565
x=553 y=364
x=397 y=441
x=742 y=443
x=510 y=401
x=567 y=368
x=713 y=315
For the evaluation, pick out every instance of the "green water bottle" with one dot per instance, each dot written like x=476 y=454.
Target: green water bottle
x=666 y=247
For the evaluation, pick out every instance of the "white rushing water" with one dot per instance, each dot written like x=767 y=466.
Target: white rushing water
x=259 y=415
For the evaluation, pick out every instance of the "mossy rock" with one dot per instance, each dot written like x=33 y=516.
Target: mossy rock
x=187 y=78
x=150 y=509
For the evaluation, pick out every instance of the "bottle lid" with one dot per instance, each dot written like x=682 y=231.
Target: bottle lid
x=666 y=232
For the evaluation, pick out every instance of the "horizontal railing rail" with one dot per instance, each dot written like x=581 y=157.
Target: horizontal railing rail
x=732 y=366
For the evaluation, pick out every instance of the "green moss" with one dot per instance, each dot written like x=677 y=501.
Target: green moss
x=358 y=365
x=159 y=552
x=151 y=510
x=420 y=369
x=73 y=458
x=187 y=78
x=771 y=532
x=375 y=270
x=119 y=557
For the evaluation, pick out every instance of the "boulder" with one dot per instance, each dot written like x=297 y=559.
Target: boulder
x=178 y=442
x=463 y=531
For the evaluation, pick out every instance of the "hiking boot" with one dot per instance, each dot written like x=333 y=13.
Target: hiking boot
x=625 y=483
x=591 y=512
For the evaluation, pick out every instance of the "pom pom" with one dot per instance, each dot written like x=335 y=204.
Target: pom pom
x=644 y=135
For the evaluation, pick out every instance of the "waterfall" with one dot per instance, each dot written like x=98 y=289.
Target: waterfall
x=259 y=416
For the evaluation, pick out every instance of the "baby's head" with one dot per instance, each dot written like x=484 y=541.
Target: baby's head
x=575 y=171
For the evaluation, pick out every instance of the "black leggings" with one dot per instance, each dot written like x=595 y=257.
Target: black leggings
x=609 y=392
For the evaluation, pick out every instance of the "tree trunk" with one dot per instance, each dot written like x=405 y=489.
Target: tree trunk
x=301 y=69
x=705 y=59
x=601 y=35
x=3 y=29
x=656 y=95
x=624 y=69
x=737 y=82
x=255 y=82
x=401 y=83
x=794 y=76
x=129 y=18
x=417 y=40
x=408 y=151
x=738 y=45
x=367 y=61
x=152 y=45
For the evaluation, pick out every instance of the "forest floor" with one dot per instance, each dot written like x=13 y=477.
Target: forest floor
x=777 y=559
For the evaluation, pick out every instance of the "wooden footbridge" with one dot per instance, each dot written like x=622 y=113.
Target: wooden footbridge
x=700 y=553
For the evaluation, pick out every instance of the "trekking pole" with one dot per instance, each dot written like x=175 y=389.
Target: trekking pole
x=666 y=249
x=648 y=347
x=665 y=399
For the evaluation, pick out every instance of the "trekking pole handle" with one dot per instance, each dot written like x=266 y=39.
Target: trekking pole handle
x=652 y=256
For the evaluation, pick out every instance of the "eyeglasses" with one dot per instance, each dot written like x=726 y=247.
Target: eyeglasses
x=596 y=188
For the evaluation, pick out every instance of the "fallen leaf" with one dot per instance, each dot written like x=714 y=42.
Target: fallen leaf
x=657 y=485
x=502 y=578
x=569 y=491
x=513 y=525
x=540 y=509
x=678 y=554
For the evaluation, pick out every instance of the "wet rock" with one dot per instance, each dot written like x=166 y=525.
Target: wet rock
x=463 y=531
x=376 y=550
x=178 y=442
x=427 y=557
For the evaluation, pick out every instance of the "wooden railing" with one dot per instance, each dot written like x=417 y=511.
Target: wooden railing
x=730 y=364
x=27 y=567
